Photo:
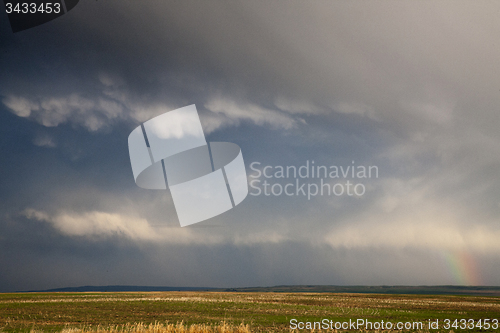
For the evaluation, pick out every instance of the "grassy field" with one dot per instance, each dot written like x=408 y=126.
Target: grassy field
x=232 y=311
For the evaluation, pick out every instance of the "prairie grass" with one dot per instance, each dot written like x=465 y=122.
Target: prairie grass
x=202 y=328
x=223 y=327
x=223 y=312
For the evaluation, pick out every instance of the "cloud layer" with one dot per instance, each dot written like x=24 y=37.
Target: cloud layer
x=411 y=87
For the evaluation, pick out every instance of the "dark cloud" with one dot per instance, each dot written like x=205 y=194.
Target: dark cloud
x=409 y=87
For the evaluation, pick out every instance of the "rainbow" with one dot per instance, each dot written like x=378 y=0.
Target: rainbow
x=462 y=267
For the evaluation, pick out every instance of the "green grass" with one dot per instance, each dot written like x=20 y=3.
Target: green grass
x=264 y=312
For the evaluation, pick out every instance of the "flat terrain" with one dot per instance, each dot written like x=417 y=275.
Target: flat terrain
x=263 y=312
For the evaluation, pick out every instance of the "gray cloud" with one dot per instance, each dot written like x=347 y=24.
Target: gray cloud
x=411 y=87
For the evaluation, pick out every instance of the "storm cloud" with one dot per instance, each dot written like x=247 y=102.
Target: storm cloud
x=409 y=87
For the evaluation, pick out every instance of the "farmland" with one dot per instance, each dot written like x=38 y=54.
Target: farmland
x=235 y=311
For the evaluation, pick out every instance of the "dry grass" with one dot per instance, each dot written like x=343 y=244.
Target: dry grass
x=181 y=328
x=217 y=312
x=162 y=328
x=195 y=328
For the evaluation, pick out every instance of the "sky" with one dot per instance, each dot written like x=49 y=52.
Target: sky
x=411 y=88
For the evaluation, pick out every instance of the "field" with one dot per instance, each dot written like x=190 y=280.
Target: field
x=236 y=311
